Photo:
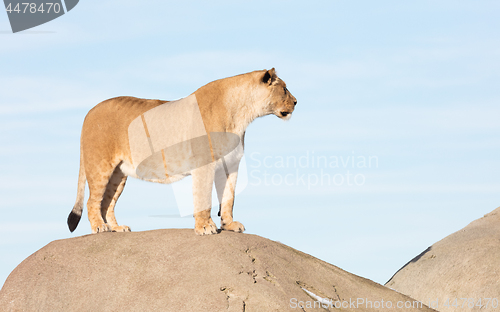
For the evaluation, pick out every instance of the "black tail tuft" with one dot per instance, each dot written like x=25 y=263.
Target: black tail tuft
x=73 y=220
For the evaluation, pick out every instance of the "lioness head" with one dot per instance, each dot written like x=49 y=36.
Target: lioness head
x=280 y=101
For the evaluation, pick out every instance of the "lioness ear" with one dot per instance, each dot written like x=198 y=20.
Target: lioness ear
x=269 y=76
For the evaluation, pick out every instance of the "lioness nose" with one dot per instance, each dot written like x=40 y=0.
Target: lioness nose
x=294 y=102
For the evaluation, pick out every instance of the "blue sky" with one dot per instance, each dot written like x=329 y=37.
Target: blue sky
x=413 y=85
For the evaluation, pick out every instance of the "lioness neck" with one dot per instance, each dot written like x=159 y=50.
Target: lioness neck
x=230 y=104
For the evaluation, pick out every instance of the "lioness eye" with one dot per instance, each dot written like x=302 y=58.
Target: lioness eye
x=284 y=89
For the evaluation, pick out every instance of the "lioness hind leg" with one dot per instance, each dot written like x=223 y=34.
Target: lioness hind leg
x=97 y=188
x=113 y=191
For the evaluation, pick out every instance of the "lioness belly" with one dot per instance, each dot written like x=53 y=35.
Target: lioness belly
x=129 y=170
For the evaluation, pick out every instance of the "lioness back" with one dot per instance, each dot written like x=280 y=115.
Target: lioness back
x=104 y=131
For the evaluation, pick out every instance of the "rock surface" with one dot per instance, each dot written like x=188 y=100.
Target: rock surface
x=175 y=270
x=465 y=264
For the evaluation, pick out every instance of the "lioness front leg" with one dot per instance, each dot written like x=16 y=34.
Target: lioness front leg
x=226 y=211
x=203 y=179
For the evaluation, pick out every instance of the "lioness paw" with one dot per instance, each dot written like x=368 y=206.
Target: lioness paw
x=206 y=228
x=101 y=228
x=121 y=228
x=234 y=226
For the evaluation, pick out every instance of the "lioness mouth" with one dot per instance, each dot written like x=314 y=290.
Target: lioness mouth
x=284 y=114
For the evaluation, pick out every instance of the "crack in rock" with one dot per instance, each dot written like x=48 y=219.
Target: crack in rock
x=338 y=296
x=235 y=302
x=250 y=273
x=226 y=291
x=247 y=251
x=271 y=278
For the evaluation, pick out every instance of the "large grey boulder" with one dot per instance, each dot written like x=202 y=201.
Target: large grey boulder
x=175 y=270
x=465 y=264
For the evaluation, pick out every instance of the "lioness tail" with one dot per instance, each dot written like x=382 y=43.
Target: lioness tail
x=76 y=213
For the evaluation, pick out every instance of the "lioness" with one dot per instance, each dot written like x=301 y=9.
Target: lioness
x=162 y=141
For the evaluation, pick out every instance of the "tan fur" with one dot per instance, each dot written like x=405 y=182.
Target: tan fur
x=226 y=105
